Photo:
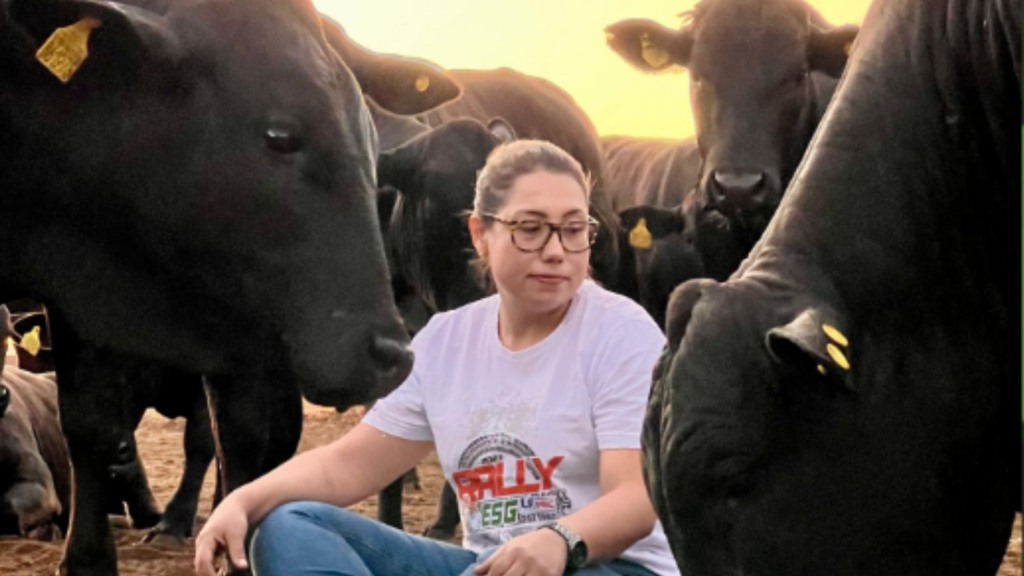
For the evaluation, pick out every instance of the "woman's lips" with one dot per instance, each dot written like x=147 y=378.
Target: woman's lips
x=548 y=278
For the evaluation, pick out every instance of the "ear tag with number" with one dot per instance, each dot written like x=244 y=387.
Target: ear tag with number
x=640 y=236
x=654 y=56
x=30 y=342
x=67 y=48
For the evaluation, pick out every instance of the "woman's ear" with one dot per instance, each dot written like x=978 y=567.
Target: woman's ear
x=476 y=232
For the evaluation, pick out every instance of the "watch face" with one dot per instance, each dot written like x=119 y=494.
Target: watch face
x=578 y=555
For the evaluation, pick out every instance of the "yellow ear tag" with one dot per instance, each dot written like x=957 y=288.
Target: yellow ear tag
x=838 y=357
x=422 y=83
x=65 y=50
x=822 y=370
x=654 y=56
x=640 y=236
x=31 y=342
x=835 y=335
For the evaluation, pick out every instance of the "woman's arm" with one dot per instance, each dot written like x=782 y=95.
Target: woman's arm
x=358 y=464
x=622 y=515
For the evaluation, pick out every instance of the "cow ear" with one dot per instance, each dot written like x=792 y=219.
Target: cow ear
x=658 y=222
x=501 y=129
x=6 y=327
x=648 y=45
x=82 y=42
x=680 y=308
x=399 y=84
x=813 y=343
x=828 y=51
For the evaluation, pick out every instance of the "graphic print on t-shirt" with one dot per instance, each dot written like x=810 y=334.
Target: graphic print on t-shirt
x=504 y=489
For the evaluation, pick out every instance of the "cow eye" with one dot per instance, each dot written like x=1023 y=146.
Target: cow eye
x=283 y=140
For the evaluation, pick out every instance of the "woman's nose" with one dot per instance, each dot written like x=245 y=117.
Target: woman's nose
x=553 y=249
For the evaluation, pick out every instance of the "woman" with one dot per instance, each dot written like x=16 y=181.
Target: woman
x=534 y=399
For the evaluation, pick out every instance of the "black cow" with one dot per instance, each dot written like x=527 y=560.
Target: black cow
x=537 y=109
x=761 y=75
x=35 y=473
x=849 y=402
x=193 y=196
x=649 y=180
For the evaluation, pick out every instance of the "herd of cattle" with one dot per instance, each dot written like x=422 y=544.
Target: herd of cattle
x=217 y=227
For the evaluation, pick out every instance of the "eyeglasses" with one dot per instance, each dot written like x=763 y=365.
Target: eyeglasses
x=534 y=235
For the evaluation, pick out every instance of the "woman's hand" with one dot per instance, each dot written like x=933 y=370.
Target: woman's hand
x=539 y=553
x=224 y=531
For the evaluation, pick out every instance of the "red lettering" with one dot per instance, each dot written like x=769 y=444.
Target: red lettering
x=518 y=488
x=473 y=484
x=546 y=472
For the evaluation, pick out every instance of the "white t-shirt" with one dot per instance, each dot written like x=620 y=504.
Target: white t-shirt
x=518 y=433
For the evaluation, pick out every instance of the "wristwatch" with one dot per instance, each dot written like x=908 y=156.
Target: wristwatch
x=577 y=557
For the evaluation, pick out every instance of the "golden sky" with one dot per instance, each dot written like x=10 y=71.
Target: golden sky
x=561 y=40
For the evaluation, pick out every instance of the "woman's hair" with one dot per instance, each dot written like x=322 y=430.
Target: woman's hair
x=509 y=161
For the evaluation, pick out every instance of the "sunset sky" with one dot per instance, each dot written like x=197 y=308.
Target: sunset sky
x=561 y=40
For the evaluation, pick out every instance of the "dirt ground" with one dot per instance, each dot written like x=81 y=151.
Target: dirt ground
x=160 y=445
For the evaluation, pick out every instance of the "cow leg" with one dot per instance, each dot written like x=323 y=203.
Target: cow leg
x=90 y=400
x=129 y=483
x=447 y=516
x=256 y=425
x=180 y=512
x=389 y=504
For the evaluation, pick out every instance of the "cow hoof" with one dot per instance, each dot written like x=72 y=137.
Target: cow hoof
x=439 y=534
x=164 y=540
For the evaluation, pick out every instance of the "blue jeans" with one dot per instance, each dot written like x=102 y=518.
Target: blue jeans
x=311 y=538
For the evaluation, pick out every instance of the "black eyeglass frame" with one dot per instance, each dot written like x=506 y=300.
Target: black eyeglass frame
x=593 y=225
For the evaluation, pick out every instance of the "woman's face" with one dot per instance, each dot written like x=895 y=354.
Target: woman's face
x=546 y=280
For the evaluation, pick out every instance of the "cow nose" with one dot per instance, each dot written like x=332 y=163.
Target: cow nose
x=393 y=360
x=5 y=399
x=738 y=191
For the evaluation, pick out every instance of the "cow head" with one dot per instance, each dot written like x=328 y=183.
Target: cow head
x=777 y=423
x=199 y=189
x=662 y=254
x=435 y=175
x=755 y=426
x=761 y=72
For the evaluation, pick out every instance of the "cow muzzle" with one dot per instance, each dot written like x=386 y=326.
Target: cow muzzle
x=746 y=198
x=5 y=399
x=393 y=359
x=736 y=192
